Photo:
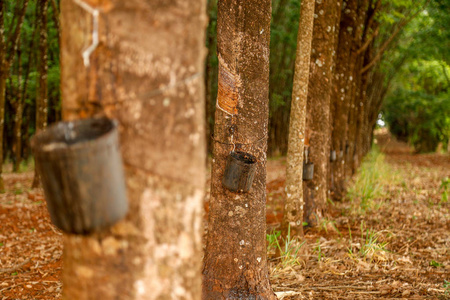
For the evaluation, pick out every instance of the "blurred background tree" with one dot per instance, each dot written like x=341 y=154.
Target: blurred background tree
x=23 y=80
x=417 y=103
x=411 y=79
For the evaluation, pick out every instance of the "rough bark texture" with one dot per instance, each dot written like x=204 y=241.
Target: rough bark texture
x=293 y=211
x=318 y=107
x=235 y=265
x=42 y=68
x=146 y=72
x=343 y=78
x=357 y=91
x=8 y=45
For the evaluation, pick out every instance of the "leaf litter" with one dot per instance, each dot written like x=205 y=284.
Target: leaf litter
x=397 y=247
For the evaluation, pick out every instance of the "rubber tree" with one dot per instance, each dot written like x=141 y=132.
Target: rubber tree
x=360 y=86
x=9 y=39
x=293 y=211
x=141 y=63
x=42 y=70
x=20 y=104
x=326 y=20
x=18 y=110
x=235 y=265
x=342 y=81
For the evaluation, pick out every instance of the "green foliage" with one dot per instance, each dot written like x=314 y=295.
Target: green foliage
x=283 y=45
x=445 y=187
x=289 y=247
x=318 y=250
x=371 y=246
x=435 y=264
x=272 y=240
x=418 y=100
x=372 y=177
x=18 y=191
x=447 y=287
x=325 y=224
x=419 y=116
x=28 y=45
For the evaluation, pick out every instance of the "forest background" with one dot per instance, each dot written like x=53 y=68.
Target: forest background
x=412 y=73
x=370 y=63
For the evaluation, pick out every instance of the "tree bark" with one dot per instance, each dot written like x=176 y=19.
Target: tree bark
x=355 y=91
x=293 y=210
x=341 y=99
x=358 y=91
x=42 y=68
x=147 y=72
x=235 y=265
x=318 y=108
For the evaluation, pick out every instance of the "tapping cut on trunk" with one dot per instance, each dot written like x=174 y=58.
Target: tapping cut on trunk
x=227 y=94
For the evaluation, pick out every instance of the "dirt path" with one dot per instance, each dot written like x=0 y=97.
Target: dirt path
x=399 y=247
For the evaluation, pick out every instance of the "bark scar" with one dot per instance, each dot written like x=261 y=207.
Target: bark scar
x=227 y=94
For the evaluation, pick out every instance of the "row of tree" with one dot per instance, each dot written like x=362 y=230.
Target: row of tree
x=328 y=120
x=423 y=37
x=347 y=85
x=21 y=69
x=29 y=77
x=139 y=63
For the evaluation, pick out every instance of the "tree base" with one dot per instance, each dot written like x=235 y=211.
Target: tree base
x=2 y=185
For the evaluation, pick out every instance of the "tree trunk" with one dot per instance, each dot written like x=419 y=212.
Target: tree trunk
x=341 y=97
x=42 y=67
x=235 y=265
x=17 y=136
x=20 y=110
x=318 y=108
x=3 y=74
x=8 y=44
x=146 y=72
x=355 y=92
x=293 y=211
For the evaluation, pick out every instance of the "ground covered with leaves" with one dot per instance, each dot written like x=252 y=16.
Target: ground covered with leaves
x=389 y=239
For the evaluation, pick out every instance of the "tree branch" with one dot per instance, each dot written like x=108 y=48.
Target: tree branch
x=445 y=72
x=390 y=39
x=2 y=33
x=373 y=14
x=56 y=16
x=367 y=43
x=14 y=37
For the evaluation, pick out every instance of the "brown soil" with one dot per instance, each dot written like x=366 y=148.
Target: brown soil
x=412 y=227
x=30 y=246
